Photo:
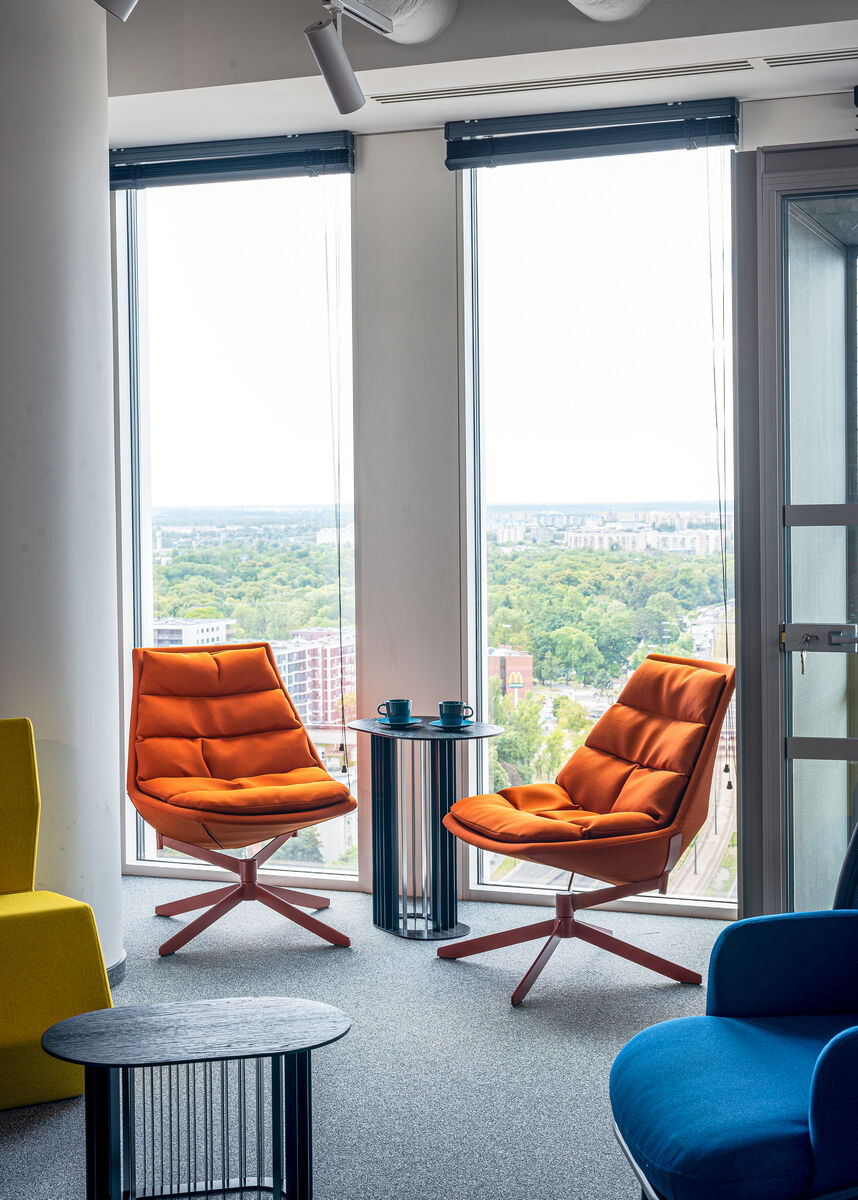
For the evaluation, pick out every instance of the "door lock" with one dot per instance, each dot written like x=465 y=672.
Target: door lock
x=820 y=639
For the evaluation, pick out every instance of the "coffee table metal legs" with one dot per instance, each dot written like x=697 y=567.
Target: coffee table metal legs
x=291 y=1114
x=110 y=1135
x=414 y=856
x=103 y=1134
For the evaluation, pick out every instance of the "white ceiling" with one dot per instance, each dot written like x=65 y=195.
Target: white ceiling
x=725 y=64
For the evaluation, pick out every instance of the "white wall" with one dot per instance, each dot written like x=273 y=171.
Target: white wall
x=58 y=592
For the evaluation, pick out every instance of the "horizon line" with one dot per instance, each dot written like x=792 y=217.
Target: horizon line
x=511 y=504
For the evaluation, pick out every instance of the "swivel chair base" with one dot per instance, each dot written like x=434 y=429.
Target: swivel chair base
x=648 y=1192
x=220 y=901
x=564 y=926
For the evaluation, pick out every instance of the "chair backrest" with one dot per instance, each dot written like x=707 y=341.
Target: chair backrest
x=219 y=712
x=846 y=892
x=19 y=806
x=654 y=750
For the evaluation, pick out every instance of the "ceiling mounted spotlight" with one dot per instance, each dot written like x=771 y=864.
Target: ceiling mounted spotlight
x=119 y=8
x=405 y=21
x=325 y=39
x=610 y=10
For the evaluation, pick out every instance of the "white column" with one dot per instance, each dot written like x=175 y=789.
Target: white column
x=407 y=438
x=408 y=443
x=58 y=583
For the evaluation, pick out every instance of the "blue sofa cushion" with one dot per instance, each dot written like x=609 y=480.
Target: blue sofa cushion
x=716 y=1108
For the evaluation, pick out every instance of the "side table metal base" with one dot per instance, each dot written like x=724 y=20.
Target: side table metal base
x=413 y=853
x=427 y=935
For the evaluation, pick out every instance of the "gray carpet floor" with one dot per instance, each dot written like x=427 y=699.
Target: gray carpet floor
x=441 y=1090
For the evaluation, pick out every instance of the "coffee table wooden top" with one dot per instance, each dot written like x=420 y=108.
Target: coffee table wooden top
x=203 y=1031
x=424 y=732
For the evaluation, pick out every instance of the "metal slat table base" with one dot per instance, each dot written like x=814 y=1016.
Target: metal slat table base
x=413 y=853
x=204 y=1146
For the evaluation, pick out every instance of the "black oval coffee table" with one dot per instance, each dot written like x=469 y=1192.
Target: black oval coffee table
x=413 y=854
x=198 y=1099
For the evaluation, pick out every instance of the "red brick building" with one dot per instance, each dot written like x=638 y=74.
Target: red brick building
x=513 y=668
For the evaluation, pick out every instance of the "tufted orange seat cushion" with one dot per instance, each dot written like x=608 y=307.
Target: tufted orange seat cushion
x=543 y=813
x=628 y=777
x=287 y=792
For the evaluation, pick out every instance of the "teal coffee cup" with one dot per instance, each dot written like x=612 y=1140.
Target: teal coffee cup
x=454 y=712
x=398 y=712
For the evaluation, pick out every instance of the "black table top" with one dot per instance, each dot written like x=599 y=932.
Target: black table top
x=424 y=732
x=204 y=1031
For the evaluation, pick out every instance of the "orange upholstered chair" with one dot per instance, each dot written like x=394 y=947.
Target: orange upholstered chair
x=622 y=810
x=218 y=760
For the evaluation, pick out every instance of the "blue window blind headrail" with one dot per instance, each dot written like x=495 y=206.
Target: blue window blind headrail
x=550 y=137
x=248 y=158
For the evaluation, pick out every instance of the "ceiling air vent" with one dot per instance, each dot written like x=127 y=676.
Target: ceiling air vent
x=813 y=56
x=569 y=81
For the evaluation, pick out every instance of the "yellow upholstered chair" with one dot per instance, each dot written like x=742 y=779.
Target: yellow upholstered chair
x=51 y=966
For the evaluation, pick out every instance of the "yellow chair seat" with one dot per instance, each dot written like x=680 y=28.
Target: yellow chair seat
x=50 y=946
x=51 y=965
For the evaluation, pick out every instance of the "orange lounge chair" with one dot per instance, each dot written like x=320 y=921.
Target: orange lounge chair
x=623 y=809
x=218 y=759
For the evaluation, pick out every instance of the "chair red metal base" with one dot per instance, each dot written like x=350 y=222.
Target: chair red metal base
x=221 y=900
x=564 y=926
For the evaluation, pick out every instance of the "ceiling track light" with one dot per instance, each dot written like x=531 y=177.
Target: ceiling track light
x=364 y=14
x=118 y=8
x=405 y=21
x=325 y=39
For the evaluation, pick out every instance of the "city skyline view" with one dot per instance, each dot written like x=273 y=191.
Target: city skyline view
x=269 y=573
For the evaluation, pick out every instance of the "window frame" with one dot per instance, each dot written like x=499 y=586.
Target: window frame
x=474 y=567
x=132 y=506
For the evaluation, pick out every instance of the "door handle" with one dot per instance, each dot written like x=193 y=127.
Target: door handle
x=836 y=637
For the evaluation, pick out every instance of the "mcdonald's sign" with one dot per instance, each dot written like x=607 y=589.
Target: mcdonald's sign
x=515 y=679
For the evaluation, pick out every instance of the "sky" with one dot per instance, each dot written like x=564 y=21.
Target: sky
x=595 y=323
x=241 y=364
x=596 y=327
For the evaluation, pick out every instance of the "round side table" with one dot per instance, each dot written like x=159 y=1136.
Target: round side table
x=177 y=1106
x=413 y=854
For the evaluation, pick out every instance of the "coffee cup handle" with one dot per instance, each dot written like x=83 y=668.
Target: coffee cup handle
x=467 y=712
x=382 y=708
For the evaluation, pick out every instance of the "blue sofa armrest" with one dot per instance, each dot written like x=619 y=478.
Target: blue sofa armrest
x=833 y=1104
x=792 y=963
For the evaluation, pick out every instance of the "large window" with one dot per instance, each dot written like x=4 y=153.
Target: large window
x=607 y=528
x=244 y=504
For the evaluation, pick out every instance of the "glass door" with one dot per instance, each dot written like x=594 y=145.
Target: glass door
x=820 y=634
x=796 y=222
